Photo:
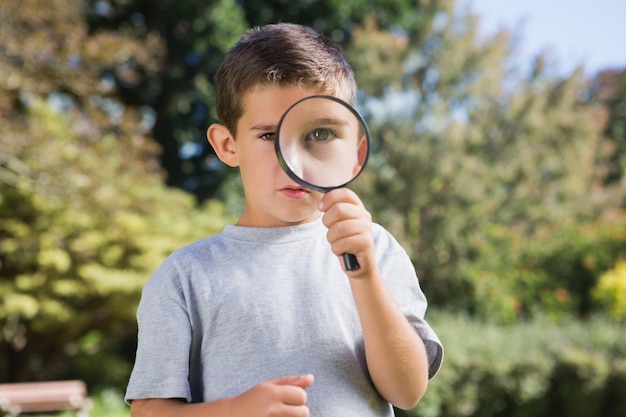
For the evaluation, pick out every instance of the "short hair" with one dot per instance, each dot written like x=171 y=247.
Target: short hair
x=282 y=54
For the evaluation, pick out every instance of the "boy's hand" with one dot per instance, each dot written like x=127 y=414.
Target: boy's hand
x=281 y=397
x=349 y=229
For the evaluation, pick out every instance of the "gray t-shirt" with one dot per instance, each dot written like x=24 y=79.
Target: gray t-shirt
x=252 y=304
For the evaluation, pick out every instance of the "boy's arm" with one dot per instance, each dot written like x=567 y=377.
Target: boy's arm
x=395 y=354
x=284 y=396
x=162 y=407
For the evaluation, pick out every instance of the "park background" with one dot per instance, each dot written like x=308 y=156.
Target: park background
x=503 y=180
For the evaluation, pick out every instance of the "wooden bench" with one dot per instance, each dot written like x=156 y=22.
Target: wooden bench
x=36 y=397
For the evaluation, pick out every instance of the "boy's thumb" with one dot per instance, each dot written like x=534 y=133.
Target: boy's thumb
x=302 y=381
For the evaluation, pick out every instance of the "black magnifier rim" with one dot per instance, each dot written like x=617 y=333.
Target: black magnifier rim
x=285 y=166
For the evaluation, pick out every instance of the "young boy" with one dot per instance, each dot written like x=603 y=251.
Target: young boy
x=263 y=319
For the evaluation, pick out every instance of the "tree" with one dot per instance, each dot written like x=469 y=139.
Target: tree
x=610 y=91
x=470 y=149
x=84 y=215
x=196 y=36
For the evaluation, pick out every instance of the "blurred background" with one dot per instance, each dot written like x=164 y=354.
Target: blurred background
x=498 y=163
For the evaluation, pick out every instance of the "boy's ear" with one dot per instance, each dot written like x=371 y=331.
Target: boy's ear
x=223 y=143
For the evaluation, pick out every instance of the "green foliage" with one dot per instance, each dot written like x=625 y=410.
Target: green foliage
x=179 y=92
x=336 y=17
x=196 y=36
x=611 y=291
x=487 y=175
x=84 y=215
x=109 y=403
x=611 y=90
x=512 y=274
x=81 y=233
x=536 y=368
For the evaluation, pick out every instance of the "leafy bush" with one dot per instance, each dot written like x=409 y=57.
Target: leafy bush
x=552 y=271
x=82 y=227
x=611 y=291
x=536 y=368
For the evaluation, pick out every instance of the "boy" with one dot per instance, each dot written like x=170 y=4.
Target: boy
x=263 y=319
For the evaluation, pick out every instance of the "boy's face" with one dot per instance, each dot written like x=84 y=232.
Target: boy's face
x=272 y=198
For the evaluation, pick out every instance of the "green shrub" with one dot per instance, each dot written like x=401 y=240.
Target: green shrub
x=79 y=236
x=578 y=382
x=611 y=291
x=552 y=270
x=615 y=400
x=536 y=368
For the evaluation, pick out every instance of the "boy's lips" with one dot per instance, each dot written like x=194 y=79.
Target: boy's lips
x=294 y=191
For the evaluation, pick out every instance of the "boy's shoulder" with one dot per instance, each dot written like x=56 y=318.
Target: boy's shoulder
x=192 y=252
x=383 y=239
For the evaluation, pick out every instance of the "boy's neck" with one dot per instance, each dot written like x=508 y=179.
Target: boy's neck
x=247 y=220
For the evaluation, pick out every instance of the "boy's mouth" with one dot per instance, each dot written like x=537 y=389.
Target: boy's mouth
x=295 y=192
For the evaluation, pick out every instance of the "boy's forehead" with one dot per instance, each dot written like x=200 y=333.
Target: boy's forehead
x=253 y=112
x=263 y=106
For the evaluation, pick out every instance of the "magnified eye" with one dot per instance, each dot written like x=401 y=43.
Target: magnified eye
x=321 y=135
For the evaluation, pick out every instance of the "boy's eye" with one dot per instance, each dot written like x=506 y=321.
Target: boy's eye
x=321 y=135
x=268 y=136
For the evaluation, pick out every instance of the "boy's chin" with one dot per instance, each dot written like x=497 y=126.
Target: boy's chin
x=301 y=218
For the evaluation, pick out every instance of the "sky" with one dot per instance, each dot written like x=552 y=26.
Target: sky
x=587 y=33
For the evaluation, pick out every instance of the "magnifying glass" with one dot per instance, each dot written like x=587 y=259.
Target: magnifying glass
x=322 y=143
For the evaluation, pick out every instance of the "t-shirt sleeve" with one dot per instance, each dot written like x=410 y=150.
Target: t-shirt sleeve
x=161 y=367
x=399 y=273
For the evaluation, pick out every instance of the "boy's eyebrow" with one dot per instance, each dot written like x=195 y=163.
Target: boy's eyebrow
x=331 y=121
x=324 y=121
x=264 y=128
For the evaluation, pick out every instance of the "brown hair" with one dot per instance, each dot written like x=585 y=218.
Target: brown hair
x=282 y=54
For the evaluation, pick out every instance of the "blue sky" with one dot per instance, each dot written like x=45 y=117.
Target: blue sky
x=588 y=33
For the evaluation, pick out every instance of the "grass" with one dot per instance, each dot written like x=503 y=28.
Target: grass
x=109 y=403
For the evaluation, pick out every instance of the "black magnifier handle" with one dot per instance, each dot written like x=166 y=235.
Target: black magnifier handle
x=350 y=262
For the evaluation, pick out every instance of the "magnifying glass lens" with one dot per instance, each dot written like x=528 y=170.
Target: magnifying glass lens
x=322 y=143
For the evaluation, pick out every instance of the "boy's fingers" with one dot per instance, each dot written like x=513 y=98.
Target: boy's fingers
x=294 y=392
x=333 y=197
x=302 y=381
